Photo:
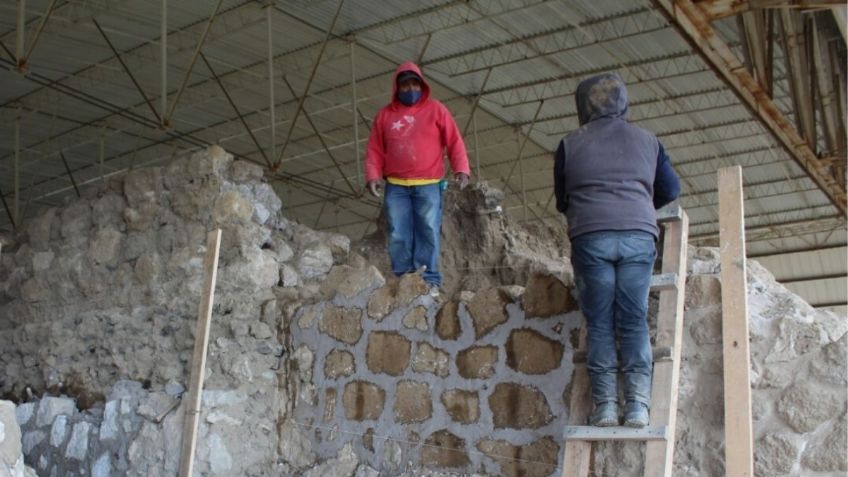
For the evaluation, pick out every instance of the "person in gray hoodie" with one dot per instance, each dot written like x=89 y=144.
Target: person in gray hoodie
x=609 y=178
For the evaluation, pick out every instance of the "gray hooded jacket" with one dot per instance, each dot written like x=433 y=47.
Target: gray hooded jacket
x=610 y=174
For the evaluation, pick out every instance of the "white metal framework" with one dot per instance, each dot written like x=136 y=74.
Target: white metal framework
x=92 y=88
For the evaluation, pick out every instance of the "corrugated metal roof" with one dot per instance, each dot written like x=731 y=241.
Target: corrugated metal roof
x=524 y=58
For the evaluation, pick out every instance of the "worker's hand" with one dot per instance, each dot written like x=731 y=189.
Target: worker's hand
x=461 y=179
x=374 y=188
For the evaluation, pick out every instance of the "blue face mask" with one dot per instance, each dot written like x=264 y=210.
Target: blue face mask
x=409 y=97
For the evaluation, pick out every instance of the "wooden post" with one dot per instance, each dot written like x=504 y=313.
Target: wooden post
x=201 y=341
x=738 y=447
x=577 y=454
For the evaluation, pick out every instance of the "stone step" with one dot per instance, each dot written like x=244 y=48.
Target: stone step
x=660 y=354
x=615 y=433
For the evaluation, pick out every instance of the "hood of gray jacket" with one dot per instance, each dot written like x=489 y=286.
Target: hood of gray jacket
x=601 y=96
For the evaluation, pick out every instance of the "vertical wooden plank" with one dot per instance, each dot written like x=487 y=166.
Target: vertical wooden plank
x=734 y=309
x=201 y=342
x=575 y=461
x=659 y=454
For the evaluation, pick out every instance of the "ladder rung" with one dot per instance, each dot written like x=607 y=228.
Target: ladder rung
x=664 y=281
x=615 y=433
x=660 y=354
x=670 y=213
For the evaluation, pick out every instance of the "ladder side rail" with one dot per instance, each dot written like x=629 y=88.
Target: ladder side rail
x=659 y=454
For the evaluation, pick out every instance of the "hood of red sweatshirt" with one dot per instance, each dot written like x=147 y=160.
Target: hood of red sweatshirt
x=425 y=87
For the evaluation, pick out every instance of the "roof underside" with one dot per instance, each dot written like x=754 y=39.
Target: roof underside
x=506 y=69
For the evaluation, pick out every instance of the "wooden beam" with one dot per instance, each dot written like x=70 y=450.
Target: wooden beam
x=198 y=366
x=695 y=26
x=738 y=435
x=798 y=66
x=717 y=9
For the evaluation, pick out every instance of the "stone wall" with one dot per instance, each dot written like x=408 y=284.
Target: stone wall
x=414 y=382
x=321 y=365
x=11 y=455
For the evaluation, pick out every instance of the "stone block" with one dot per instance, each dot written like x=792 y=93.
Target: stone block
x=537 y=459
x=10 y=438
x=410 y=287
x=30 y=440
x=530 y=352
x=342 y=465
x=830 y=366
x=260 y=330
x=412 y=402
x=339 y=364
x=143 y=185
x=246 y=171
x=363 y=401
x=339 y=246
x=213 y=161
x=50 y=407
x=109 y=425
x=220 y=459
x=41 y=261
x=701 y=291
x=488 y=310
x=775 y=454
x=105 y=249
x=546 y=296
x=444 y=449
x=447 y=321
x=315 y=262
x=806 y=405
x=388 y=353
x=381 y=303
x=141 y=218
x=307 y=318
x=519 y=407
x=102 y=467
x=416 y=318
x=462 y=406
x=232 y=208
x=828 y=454
x=59 y=431
x=76 y=223
x=343 y=324
x=39 y=229
x=431 y=360
x=477 y=362
x=295 y=447
x=350 y=282
x=78 y=445
x=24 y=412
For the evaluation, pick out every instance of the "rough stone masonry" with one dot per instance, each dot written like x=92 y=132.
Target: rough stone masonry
x=319 y=364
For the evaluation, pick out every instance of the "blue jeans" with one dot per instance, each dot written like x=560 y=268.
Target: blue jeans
x=613 y=273
x=414 y=215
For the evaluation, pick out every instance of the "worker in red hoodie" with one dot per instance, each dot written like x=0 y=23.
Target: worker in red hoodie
x=409 y=137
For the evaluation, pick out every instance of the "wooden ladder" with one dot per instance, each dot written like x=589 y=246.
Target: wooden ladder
x=659 y=435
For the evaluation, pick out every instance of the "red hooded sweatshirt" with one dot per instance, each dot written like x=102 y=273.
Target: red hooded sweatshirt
x=408 y=142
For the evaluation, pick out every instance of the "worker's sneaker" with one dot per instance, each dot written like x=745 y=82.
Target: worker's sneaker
x=434 y=291
x=605 y=415
x=635 y=414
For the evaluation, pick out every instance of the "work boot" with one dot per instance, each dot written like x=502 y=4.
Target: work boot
x=605 y=414
x=635 y=414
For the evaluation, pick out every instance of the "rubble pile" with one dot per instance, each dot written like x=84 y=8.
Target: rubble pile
x=321 y=363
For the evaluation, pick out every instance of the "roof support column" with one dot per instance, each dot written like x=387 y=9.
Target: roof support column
x=271 y=105
x=19 y=47
x=355 y=114
x=16 y=203
x=163 y=53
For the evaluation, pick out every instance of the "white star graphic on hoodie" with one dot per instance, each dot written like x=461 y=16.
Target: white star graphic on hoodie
x=397 y=125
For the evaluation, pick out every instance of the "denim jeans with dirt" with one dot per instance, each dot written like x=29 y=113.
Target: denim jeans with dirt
x=414 y=216
x=613 y=274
